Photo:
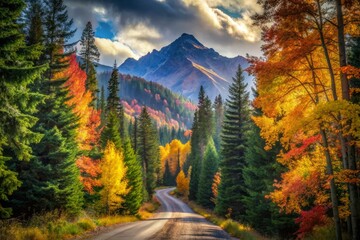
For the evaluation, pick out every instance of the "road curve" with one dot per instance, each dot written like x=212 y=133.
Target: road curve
x=175 y=220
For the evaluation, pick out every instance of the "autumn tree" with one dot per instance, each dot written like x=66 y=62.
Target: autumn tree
x=307 y=63
x=260 y=172
x=233 y=145
x=113 y=179
x=182 y=184
x=18 y=102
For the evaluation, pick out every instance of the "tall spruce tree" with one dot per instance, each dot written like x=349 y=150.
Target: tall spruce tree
x=259 y=174
x=233 y=145
x=218 y=120
x=201 y=132
x=134 y=198
x=57 y=151
x=90 y=56
x=113 y=100
x=148 y=150
x=208 y=170
x=18 y=102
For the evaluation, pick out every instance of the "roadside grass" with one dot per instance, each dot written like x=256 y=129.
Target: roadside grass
x=55 y=226
x=232 y=227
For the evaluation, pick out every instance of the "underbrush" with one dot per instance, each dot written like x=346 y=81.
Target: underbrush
x=53 y=225
x=234 y=228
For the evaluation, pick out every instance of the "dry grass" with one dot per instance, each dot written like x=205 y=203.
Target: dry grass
x=53 y=226
x=234 y=228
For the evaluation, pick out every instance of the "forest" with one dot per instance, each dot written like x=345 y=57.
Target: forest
x=285 y=164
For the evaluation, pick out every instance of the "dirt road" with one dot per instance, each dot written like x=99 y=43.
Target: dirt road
x=175 y=220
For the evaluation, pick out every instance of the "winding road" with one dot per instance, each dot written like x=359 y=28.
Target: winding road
x=175 y=220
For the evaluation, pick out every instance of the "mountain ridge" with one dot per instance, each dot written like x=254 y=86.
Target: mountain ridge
x=186 y=64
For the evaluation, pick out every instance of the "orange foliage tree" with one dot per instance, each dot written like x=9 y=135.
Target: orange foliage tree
x=298 y=93
x=88 y=133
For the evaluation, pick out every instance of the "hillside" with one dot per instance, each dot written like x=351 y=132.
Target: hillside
x=185 y=65
x=165 y=107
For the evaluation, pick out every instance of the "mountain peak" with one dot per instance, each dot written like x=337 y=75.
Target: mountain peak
x=188 y=38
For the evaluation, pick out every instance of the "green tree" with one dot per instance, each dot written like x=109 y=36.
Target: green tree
x=208 y=170
x=57 y=151
x=202 y=130
x=18 y=103
x=148 y=150
x=90 y=55
x=259 y=174
x=233 y=145
x=218 y=120
x=134 y=198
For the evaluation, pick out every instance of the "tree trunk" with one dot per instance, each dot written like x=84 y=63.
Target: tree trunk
x=334 y=199
x=350 y=153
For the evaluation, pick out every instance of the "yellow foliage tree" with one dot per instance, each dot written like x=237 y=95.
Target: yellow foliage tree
x=182 y=183
x=113 y=178
x=171 y=152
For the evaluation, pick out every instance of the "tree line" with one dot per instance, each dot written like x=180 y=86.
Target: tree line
x=62 y=147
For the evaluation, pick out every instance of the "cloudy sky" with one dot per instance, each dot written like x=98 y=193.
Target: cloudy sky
x=132 y=28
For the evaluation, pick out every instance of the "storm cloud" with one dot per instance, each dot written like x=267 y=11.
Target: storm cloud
x=139 y=26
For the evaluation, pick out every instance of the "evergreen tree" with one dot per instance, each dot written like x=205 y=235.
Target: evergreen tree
x=102 y=104
x=167 y=175
x=57 y=151
x=134 y=198
x=18 y=102
x=201 y=132
x=90 y=54
x=111 y=131
x=259 y=173
x=148 y=149
x=135 y=134
x=194 y=159
x=218 y=120
x=208 y=171
x=113 y=100
x=233 y=145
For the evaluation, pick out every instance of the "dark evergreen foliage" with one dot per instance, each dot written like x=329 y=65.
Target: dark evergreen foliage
x=148 y=150
x=233 y=147
x=208 y=170
x=134 y=198
x=90 y=56
x=18 y=102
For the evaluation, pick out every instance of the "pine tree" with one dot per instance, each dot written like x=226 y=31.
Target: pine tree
x=113 y=100
x=218 y=120
x=167 y=175
x=90 y=54
x=259 y=173
x=102 y=104
x=57 y=151
x=202 y=130
x=18 y=102
x=233 y=145
x=208 y=170
x=134 y=198
x=148 y=149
